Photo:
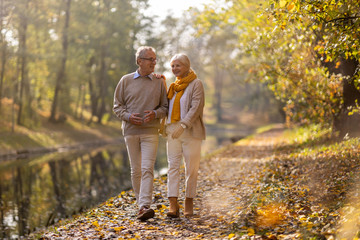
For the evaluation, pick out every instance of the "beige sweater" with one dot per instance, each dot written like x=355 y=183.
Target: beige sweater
x=136 y=96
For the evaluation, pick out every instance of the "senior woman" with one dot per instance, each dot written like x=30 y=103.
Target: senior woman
x=185 y=131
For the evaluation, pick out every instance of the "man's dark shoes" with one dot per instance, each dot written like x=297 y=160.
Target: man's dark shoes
x=145 y=213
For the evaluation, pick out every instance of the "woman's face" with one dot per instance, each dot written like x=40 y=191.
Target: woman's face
x=179 y=69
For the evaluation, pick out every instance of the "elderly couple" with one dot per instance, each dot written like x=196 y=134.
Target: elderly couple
x=140 y=101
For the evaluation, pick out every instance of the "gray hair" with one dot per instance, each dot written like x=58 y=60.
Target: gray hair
x=141 y=52
x=181 y=57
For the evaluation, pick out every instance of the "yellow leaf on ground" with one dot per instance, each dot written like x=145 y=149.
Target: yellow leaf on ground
x=283 y=3
x=118 y=228
x=291 y=6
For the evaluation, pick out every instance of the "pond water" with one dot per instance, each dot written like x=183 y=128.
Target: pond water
x=40 y=190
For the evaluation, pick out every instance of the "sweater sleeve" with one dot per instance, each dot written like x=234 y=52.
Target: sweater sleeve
x=197 y=102
x=119 y=107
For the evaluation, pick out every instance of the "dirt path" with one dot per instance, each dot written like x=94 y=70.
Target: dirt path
x=226 y=182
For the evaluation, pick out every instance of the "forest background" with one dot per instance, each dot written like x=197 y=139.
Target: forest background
x=261 y=61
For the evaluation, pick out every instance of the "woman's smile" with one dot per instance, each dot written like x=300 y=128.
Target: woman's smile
x=179 y=69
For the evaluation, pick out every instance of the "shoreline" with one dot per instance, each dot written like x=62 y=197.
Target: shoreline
x=28 y=152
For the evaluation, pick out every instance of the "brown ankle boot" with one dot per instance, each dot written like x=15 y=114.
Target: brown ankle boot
x=189 y=205
x=173 y=208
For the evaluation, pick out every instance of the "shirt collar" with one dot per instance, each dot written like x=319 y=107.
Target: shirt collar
x=137 y=75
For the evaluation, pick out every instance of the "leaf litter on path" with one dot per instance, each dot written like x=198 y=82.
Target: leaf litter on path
x=258 y=188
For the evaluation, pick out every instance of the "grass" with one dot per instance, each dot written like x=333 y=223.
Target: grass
x=42 y=133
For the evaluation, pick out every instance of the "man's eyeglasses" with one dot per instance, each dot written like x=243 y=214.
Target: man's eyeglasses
x=150 y=59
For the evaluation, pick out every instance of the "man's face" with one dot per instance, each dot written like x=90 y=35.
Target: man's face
x=147 y=62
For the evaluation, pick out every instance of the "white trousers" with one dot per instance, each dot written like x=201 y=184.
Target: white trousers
x=190 y=148
x=142 y=151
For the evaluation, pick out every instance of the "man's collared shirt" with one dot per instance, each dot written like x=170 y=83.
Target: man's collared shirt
x=137 y=75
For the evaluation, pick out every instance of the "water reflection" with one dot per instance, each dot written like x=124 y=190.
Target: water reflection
x=38 y=191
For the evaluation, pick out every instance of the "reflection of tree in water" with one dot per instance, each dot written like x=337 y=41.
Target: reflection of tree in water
x=2 y=208
x=60 y=199
x=79 y=166
x=125 y=158
x=161 y=156
x=124 y=176
x=22 y=196
x=122 y=179
x=108 y=175
x=98 y=177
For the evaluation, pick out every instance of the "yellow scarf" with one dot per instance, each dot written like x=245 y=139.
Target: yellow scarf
x=179 y=86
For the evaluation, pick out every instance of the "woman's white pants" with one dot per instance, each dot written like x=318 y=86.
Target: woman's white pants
x=189 y=148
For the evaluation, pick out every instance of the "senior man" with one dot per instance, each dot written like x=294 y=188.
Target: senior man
x=140 y=101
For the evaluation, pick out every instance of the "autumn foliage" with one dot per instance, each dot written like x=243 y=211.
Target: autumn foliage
x=301 y=50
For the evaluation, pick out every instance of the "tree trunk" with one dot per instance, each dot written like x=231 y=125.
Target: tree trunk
x=60 y=79
x=218 y=83
x=102 y=83
x=3 y=49
x=93 y=96
x=349 y=124
x=22 y=61
x=78 y=100
x=345 y=124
